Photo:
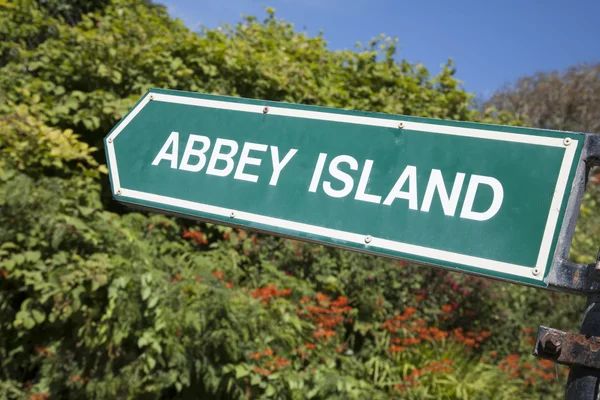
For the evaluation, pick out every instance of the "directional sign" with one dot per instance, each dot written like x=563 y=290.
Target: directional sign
x=484 y=199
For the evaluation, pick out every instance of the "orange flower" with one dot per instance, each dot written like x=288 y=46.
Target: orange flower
x=410 y=311
x=229 y=285
x=196 y=236
x=268 y=352
x=267 y=292
x=446 y=308
x=218 y=274
x=262 y=371
x=341 y=301
x=322 y=298
x=43 y=351
x=310 y=345
x=281 y=362
x=396 y=349
x=39 y=396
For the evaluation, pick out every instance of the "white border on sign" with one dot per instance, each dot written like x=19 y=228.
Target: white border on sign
x=359 y=238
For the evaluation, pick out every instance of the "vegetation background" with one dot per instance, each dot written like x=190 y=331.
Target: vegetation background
x=98 y=301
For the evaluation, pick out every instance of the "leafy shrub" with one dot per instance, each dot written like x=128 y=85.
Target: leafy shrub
x=99 y=302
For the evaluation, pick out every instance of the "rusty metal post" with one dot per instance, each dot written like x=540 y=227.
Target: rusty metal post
x=583 y=382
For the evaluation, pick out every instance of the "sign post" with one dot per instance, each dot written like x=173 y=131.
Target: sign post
x=494 y=201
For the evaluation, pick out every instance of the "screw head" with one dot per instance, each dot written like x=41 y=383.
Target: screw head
x=567 y=141
x=109 y=140
x=536 y=271
x=119 y=192
x=551 y=343
x=151 y=97
x=368 y=239
x=265 y=110
x=400 y=124
x=232 y=214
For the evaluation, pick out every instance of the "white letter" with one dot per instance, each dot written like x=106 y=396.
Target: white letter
x=362 y=185
x=314 y=182
x=436 y=181
x=190 y=151
x=217 y=155
x=163 y=155
x=410 y=173
x=467 y=210
x=342 y=176
x=278 y=165
x=246 y=159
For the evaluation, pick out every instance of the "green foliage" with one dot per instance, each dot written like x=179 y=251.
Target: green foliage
x=27 y=144
x=585 y=245
x=100 y=302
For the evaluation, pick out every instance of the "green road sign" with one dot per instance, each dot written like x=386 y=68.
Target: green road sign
x=484 y=199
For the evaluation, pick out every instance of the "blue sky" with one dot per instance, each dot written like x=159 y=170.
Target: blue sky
x=491 y=42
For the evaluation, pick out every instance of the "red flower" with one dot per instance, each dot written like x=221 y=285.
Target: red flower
x=218 y=274
x=196 y=236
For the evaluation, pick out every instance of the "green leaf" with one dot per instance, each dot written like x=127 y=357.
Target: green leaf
x=146 y=292
x=241 y=371
x=270 y=391
x=38 y=316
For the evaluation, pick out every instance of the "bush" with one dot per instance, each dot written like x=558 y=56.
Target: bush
x=100 y=302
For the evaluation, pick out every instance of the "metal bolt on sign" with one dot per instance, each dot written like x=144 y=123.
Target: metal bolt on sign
x=551 y=343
